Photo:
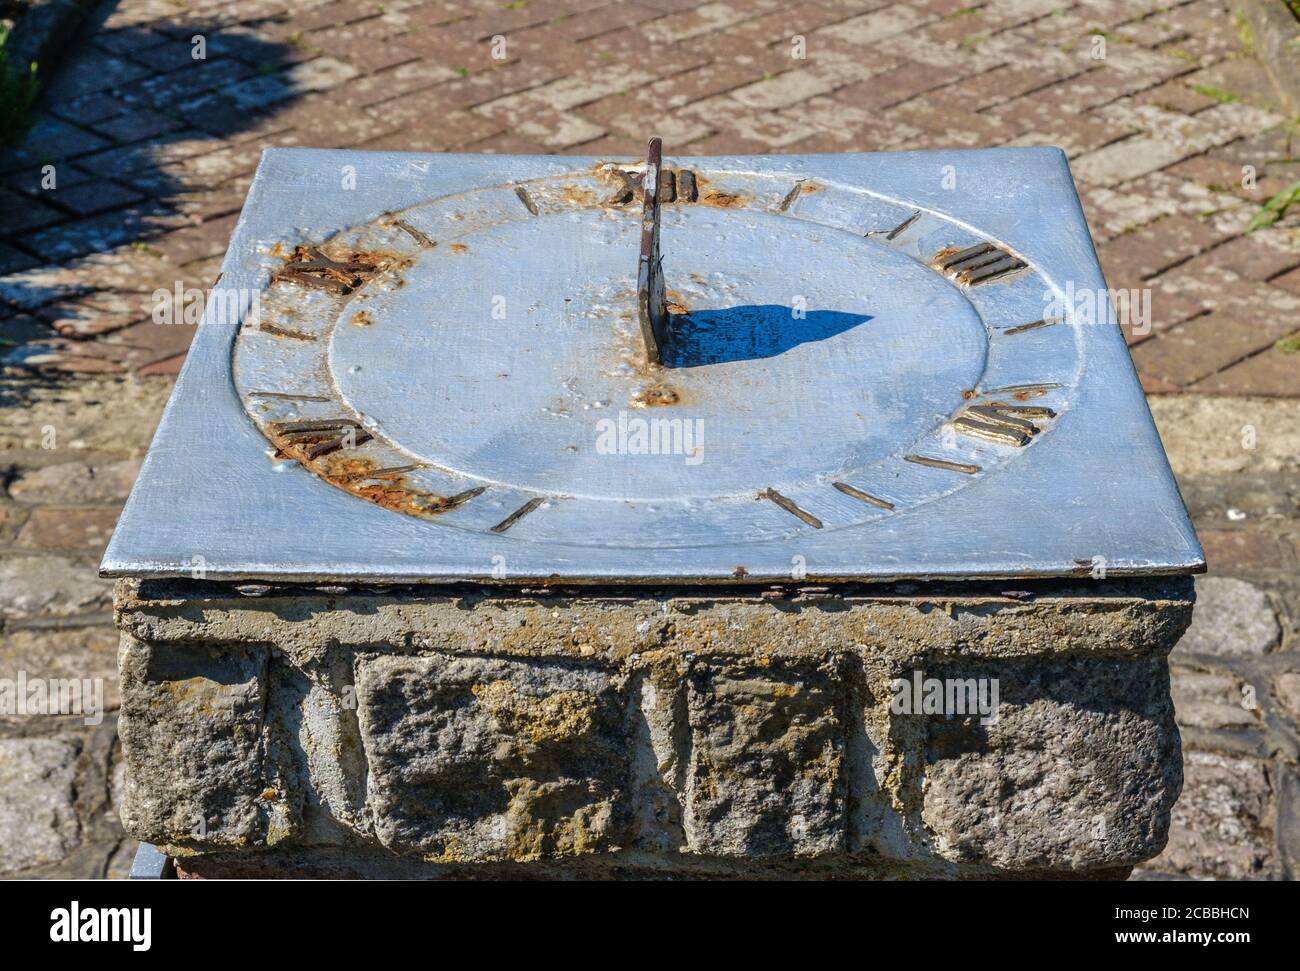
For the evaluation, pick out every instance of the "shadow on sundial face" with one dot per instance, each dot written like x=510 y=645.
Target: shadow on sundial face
x=750 y=333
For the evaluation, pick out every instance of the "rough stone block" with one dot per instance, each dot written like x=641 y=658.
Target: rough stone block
x=1078 y=772
x=192 y=733
x=431 y=731
x=765 y=770
x=477 y=758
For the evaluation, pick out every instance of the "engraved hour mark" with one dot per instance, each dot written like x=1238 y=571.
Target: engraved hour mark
x=267 y=327
x=686 y=187
x=392 y=472
x=321 y=436
x=674 y=185
x=415 y=234
x=1022 y=390
x=526 y=199
x=866 y=497
x=903 y=226
x=667 y=185
x=996 y=416
x=1027 y=411
x=518 y=514
x=312 y=268
x=789 y=506
x=1001 y=423
x=1036 y=325
x=961 y=467
x=289 y=396
x=990 y=431
x=459 y=499
x=790 y=197
x=314 y=425
x=981 y=263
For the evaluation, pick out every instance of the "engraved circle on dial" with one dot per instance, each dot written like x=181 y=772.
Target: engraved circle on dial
x=818 y=345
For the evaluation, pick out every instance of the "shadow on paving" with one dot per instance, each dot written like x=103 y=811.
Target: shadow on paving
x=113 y=163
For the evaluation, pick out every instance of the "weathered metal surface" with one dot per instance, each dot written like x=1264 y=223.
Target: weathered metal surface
x=473 y=448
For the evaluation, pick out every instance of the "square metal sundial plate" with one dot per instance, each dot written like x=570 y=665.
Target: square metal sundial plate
x=435 y=367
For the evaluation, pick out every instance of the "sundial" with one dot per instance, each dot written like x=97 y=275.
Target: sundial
x=719 y=369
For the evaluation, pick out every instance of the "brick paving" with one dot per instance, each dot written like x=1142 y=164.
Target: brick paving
x=153 y=150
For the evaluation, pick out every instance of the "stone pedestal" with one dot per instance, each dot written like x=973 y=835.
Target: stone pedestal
x=967 y=730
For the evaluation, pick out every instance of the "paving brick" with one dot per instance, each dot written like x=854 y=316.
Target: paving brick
x=173 y=53
x=771 y=130
x=790 y=88
x=54 y=528
x=1270 y=373
x=19 y=215
x=1176 y=95
x=1222 y=175
x=137 y=125
x=567 y=93
x=796 y=19
x=51 y=140
x=507 y=143
x=332 y=14
x=95 y=196
x=1245 y=551
x=402 y=80
x=125 y=41
x=1128 y=159
x=89 y=70
x=480 y=86
x=703 y=19
x=88 y=109
x=92 y=315
x=455 y=129
x=14 y=261
x=951 y=125
x=718 y=77
x=1289 y=282
x=1154 y=248
x=367 y=55
x=76 y=482
x=97 y=233
x=620 y=113
x=163 y=367
x=1236 y=79
x=1197 y=348
x=1255 y=257
x=1044 y=124
x=878 y=25
x=1013 y=80
x=895 y=85
x=849 y=128
x=196 y=242
x=557 y=40
x=612 y=145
